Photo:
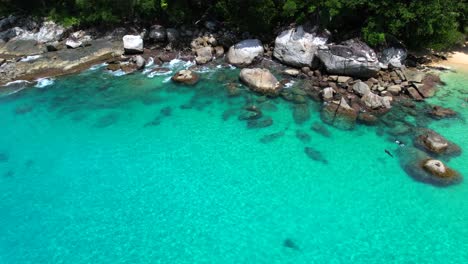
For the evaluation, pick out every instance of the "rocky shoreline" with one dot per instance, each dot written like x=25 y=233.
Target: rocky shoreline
x=355 y=84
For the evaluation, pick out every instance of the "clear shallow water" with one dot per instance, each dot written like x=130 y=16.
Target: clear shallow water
x=102 y=169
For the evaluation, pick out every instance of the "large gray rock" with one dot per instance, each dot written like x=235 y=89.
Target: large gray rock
x=261 y=81
x=297 y=47
x=245 y=52
x=157 y=33
x=352 y=57
x=50 y=31
x=133 y=44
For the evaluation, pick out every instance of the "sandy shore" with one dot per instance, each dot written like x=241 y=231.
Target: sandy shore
x=457 y=61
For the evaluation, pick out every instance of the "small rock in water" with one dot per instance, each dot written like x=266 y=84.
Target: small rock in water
x=301 y=113
x=23 y=109
x=228 y=114
x=271 y=137
x=260 y=123
x=290 y=244
x=315 y=155
x=9 y=174
x=302 y=136
x=320 y=129
x=166 y=111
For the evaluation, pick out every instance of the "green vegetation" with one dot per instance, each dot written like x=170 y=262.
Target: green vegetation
x=437 y=24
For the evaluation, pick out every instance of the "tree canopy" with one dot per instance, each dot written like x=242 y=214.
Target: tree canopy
x=437 y=24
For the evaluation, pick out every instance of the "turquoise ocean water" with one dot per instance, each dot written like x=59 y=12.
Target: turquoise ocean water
x=97 y=168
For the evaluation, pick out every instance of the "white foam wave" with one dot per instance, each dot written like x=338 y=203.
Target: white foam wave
x=13 y=87
x=98 y=66
x=289 y=84
x=30 y=58
x=152 y=74
x=180 y=64
x=43 y=82
x=150 y=62
x=117 y=73
x=167 y=79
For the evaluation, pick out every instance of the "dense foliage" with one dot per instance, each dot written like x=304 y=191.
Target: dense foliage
x=419 y=23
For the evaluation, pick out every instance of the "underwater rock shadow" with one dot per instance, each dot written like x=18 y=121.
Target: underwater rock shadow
x=163 y=113
x=315 y=155
x=107 y=120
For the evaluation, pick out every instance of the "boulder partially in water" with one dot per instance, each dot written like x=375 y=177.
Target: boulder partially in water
x=261 y=81
x=434 y=143
x=439 y=112
x=339 y=114
x=245 y=52
x=186 y=77
x=428 y=170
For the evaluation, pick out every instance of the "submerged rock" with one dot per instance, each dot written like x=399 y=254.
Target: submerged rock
x=301 y=113
x=186 y=77
x=302 y=136
x=261 y=81
x=339 y=114
x=439 y=112
x=321 y=129
x=315 y=155
x=260 y=123
x=288 y=243
x=245 y=52
x=271 y=137
x=297 y=47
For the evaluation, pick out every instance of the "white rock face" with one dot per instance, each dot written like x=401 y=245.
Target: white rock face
x=244 y=52
x=261 y=81
x=50 y=32
x=297 y=47
x=133 y=44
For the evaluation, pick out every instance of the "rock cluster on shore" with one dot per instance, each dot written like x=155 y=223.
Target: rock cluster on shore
x=354 y=83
